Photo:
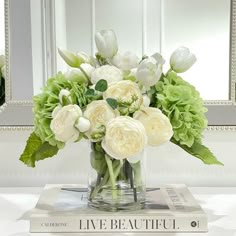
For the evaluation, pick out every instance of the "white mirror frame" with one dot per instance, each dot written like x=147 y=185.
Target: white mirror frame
x=17 y=114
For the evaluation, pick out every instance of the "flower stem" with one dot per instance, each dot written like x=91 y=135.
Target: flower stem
x=85 y=74
x=112 y=176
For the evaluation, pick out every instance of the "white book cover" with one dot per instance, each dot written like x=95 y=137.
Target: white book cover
x=169 y=208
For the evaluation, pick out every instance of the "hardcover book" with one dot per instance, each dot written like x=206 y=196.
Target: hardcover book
x=169 y=208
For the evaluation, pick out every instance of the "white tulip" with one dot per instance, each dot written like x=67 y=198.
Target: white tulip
x=70 y=58
x=157 y=125
x=83 y=124
x=99 y=113
x=125 y=137
x=109 y=73
x=106 y=43
x=127 y=61
x=64 y=93
x=63 y=124
x=159 y=59
x=182 y=59
x=2 y=61
x=86 y=58
x=149 y=72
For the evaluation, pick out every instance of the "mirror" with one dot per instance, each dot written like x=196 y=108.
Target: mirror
x=37 y=27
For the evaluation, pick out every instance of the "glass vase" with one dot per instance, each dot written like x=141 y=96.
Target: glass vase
x=116 y=185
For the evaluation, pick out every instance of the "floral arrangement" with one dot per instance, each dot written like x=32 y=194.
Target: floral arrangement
x=2 y=80
x=120 y=103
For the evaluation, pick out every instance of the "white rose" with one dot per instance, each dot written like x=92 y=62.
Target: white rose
x=108 y=73
x=125 y=137
x=98 y=113
x=2 y=61
x=125 y=91
x=149 y=72
x=127 y=61
x=63 y=123
x=157 y=125
x=182 y=59
x=106 y=43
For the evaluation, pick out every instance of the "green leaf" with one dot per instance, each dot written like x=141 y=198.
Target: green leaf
x=36 y=150
x=112 y=102
x=200 y=151
x=101 y=85
x=90 y=92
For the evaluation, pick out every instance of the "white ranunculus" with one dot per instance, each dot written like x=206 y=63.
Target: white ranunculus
x=83 y=124
x=149 y=72
x=126 y=61
x=125 y=137
x=2 y=61
x=106 y=43
x=157 y=125
x=98 y=113
x=182 y=59
x=64 y=93
x=109 y=73
x=125 y=91
x=63 y=124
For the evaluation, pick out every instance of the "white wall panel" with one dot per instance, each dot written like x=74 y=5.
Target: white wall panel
x=125 y=18
x=204 y=27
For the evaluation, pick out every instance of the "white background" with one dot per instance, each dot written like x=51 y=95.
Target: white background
x=166 y=164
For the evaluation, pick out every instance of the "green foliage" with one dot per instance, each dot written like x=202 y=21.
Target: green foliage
x=182 y=104
x=200 y=151
x=37 y=150
x=112 y=102
x=101 y=85
x=45 y=103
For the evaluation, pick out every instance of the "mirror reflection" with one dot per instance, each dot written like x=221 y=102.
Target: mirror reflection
x=203 y=26
x=2 y=54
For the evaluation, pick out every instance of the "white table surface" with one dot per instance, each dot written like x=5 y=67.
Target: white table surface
x=219 y=203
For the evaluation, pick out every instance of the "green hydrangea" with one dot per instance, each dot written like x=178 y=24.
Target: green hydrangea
x=181 y=102
x=45 y=103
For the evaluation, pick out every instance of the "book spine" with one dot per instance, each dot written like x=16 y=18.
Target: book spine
x=85 y=223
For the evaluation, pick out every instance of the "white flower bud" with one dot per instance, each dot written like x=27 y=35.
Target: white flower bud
x=70 y=58
x=182 y=59
x=146 y=100
x=106 y=43
x=64 y=92
x=83 y=124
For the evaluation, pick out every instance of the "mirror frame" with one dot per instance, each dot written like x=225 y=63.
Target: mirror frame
x=23 y=109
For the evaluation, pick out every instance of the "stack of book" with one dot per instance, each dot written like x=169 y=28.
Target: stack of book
x=169 y=208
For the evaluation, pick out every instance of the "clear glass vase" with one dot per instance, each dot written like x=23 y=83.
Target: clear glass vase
x=116 y=185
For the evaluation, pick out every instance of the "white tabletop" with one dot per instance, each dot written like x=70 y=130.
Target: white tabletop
x=219 y=203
